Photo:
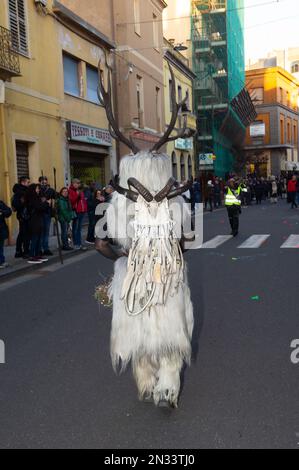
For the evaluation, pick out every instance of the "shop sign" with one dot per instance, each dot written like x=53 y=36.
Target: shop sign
x=206 y=160
x=184 y=144
x=145 y=136
x=87 y=134
x=258 y=130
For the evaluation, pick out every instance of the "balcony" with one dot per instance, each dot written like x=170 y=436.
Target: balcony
x=9 y=60
x=189 y=120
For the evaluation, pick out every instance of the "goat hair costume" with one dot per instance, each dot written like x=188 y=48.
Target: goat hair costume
x=152 y=318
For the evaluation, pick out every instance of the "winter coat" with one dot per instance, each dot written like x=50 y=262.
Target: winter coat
x=197 y=192
x=18 y=200
x=36 y=209
x=5 y=212
x=48 y=193
x=274 y=188
x=64 y=209
x=78 y=201
x=292 y=186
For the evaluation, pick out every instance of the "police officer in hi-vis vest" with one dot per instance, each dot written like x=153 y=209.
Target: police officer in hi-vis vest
x=233 y=205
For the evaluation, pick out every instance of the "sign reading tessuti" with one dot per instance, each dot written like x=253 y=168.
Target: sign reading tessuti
x=87 y=134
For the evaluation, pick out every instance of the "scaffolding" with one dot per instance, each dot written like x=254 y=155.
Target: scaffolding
x=217 y=33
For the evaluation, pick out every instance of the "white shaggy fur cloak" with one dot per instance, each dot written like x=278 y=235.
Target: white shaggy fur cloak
x=161 y=335
x=162 y=331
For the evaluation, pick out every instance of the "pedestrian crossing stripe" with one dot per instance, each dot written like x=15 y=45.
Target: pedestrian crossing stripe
x=291 y=242
x=216 y=241
x=253 y=242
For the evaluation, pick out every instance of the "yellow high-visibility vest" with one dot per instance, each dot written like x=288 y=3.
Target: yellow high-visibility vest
x=231 y=199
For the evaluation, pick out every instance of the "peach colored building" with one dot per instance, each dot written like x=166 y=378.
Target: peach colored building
x=272 y=140
x=137 y=62
x=139 y=70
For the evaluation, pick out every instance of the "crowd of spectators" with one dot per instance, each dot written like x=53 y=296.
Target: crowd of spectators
x=37 y=204
x=211 y=191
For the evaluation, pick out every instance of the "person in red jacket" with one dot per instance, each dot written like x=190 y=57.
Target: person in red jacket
x=79 y=206
x=292 y=191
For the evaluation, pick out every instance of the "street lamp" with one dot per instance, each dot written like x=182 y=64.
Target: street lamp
x=180 y=47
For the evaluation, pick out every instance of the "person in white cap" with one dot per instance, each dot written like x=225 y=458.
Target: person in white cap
x=209 y=194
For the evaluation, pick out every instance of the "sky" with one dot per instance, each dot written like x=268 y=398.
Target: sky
x=269 y=25
x=278 y=26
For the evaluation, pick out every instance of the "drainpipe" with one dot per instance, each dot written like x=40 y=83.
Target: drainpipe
x=114 y=84
x=3 y=152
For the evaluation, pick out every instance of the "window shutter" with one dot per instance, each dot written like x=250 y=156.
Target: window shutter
x=22 y=159
x=17 y=21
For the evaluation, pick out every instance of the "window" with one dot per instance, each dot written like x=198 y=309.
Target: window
x=281 y=130
x=182 y=162
x=280 y=95
x=22 y=154
x=155 y=31
x=17 y=24
x=295 y=132
x=158 y=108
x=289 y=132
x=137 y=17
x=188 y=101
x=139 y=89
x=257 y=95
x=189 y=167
x=174 y=166
x=71 y=75
x=92 y=80
x=295 y=67
x=179 y=100
x=170 y=98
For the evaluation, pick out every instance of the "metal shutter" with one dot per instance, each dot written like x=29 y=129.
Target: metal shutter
x=22 y=159
x=17 y=21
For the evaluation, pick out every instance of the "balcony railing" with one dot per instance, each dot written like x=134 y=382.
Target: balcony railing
x=9 y=60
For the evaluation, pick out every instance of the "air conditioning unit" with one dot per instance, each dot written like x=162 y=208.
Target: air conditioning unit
x=41 y=2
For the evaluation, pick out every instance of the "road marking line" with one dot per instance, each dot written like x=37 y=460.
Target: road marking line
x=216 y=241
x=255 y=241
x=291 y=242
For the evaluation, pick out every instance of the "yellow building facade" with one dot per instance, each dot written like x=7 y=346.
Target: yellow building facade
x=50 y=113
x=181 y=151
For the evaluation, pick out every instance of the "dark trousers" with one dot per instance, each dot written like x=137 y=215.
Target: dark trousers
x=77 y=228
x=64 y=237
x=217 y=200
x=2 y=257
x=233 y=215
x=210 y=201
x=23 y=239
x=258 y=197
x=292 y=197
x=35 y=245
x=91 y=226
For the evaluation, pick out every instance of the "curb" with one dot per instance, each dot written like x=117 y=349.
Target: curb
x=27 y=268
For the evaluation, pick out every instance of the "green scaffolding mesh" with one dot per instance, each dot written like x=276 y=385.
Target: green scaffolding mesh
x=218 y=61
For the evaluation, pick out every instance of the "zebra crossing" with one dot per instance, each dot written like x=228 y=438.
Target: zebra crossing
x=253 y=242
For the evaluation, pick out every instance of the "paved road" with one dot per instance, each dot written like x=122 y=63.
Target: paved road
x=58 y=388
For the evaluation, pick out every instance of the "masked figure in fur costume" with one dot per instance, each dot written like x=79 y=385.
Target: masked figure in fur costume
x=152 y=311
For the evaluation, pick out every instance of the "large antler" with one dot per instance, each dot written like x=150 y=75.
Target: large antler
x=175 y=110
x=105 y=97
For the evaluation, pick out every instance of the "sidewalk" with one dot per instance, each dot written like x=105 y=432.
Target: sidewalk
x=19 y=266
